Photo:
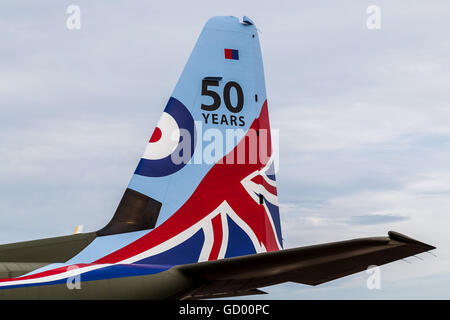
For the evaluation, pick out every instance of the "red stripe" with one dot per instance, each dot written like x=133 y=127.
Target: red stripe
x=47 y=273
x=261 y=181
x=218 y=237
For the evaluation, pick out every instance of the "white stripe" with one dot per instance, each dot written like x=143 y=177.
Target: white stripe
x=225 y=235
x=209 y=242
x=54 y=277
x=253 y=189
x=176 y=240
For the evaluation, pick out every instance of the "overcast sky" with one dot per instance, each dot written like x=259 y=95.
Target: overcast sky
x=363 y=116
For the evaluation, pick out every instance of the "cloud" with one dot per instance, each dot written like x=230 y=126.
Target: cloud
x=362 y=115
x=376 y=219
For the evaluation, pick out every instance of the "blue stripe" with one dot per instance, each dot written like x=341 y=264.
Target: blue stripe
x=270 y=173
x=184 y=253
x=239 y=243
x=110 y=272
x=275 y=213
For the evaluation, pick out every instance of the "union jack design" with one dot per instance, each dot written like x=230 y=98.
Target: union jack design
x=233 y=211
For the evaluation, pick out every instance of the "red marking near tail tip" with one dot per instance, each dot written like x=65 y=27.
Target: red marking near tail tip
x=228 y=54
x=260 y=180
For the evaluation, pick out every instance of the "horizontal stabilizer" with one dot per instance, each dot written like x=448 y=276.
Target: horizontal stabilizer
x=57 y=249
x=310 y=265
x=17 y=269
x=224 y=295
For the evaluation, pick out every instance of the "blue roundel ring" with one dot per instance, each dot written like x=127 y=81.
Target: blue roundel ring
x=175 y=115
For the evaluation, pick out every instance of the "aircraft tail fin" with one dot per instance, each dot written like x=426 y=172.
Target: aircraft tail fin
x=206 y=183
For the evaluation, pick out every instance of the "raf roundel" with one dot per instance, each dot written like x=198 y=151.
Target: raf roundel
x=175 y=124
